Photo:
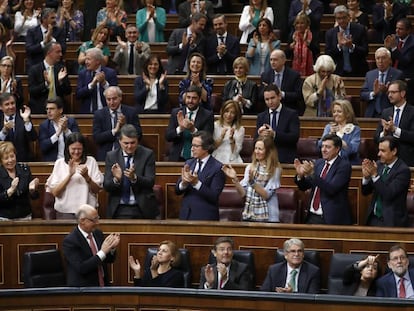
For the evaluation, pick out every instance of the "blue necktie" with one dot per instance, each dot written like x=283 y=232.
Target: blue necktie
x=274 y=119
x=397 y=117
x=347 y=58
x=126 y=184
x=277 y=80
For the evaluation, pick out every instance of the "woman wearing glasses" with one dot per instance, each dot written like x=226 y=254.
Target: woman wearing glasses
x=9 y=83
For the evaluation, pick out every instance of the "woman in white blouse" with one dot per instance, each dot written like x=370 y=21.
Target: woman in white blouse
x=25 y=19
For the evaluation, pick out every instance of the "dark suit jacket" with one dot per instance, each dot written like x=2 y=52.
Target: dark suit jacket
x=393 y=191
x=85 y=95
x=239 y=277
x=81 y=264
x=204 y=121
x=38 y=90
x=385 y=27
x=308 y=281
x=367 y=88
x=357 y=57
x=405 y=58
x=35 y=52
x=202 y=204
x=177 y=56
x=333 y=190
x=184 y=14
x=406 y=140
x=352 y=280
x=22 y=140
x=291 y=85
x=215 y=65
x=141 y=93
x=102 y=128
x=386 y=286
x=249 y=91
x=144 y=162
x=46 y=131
x=18 y=205
x=287 y=132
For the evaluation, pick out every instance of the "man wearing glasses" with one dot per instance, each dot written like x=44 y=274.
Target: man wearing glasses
x=201 y=181
x=87 y=252
x=399 y=282
x=293 y=275
x=398 y=121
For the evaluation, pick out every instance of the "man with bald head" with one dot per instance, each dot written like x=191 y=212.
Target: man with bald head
x=286 y=79
x=87 y=252
x=374 y=90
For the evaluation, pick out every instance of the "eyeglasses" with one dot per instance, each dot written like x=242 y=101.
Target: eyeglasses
x=95 y=219
x=196 y=146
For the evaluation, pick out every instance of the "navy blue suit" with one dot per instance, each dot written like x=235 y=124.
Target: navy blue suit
x=223 y=66
x=406 y=140
x=385 y=27
x=393 y=190
x=379 y=102
x=34 y=51
x=357 y=57
x=38 y=90
x=102 y=129
x=202 y=204
x=309 y=278
x=204 y=121
x=386 y=286
x=291 y=85
x=333 y=190
x=287 y=132
x=81 y=264
x=46 y=131
x=405 y=58
x=85 y=95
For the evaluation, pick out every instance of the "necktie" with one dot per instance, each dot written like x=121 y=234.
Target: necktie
x=345 y=53
x=131 y=59
x=292 y=282
x=402 y=293
x=200 y=165
x=187 y=140
x=94 y=251
x=221 y=39
x=382 y=77
x=378 y=98
x=274 y=120
x=94 y=95
x=317 y=196
x=11 y=131
x=397 y=117
x=126 y=184
x=52 y=91
x=378 y=201
x=114 y=122
x=277 y=80
x=399 y=47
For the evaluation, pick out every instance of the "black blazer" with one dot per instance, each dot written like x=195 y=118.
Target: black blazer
x=249 y=91
x=81 y=265
x=405 y=58
x=141 y=93
x=351 y=281
x=223 y=66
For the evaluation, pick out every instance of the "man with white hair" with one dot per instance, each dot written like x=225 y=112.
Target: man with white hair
x=374 y=90
x=93 y=80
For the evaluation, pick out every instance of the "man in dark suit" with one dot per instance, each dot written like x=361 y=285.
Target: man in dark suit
x=17 y=127
x=183 y=42
x=328 y=178
x=54 y=130
x=108 y=121
x=397 y=283
x=294 y=275
x=48 y=79
x=374 y=90
x=37 y=37
x=226 y=273
x=93 y=80
x=187 y=120
x=188 y=8
x=129 y=178
x=286 y=79
x=398 y=121
x=279 y=122
x=388 y=180
x=222 y=48
x=385 y=16
x=401 y=46
x=86 y=252
x=347 y=44
x=201 y=181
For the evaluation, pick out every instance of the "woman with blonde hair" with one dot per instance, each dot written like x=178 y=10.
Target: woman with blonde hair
x=9 y=83
x=229 y=134
x=346 y=127
x=240 y=88
x=322 y=88
x=113 y=17
x=161 y=271
x=249 y=19
x=260 y=181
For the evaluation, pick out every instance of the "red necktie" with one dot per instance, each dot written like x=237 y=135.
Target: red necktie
x=317 y=196
x=402 y=289
x=94 y=251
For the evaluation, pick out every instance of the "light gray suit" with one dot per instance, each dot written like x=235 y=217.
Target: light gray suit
x=121 y=58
